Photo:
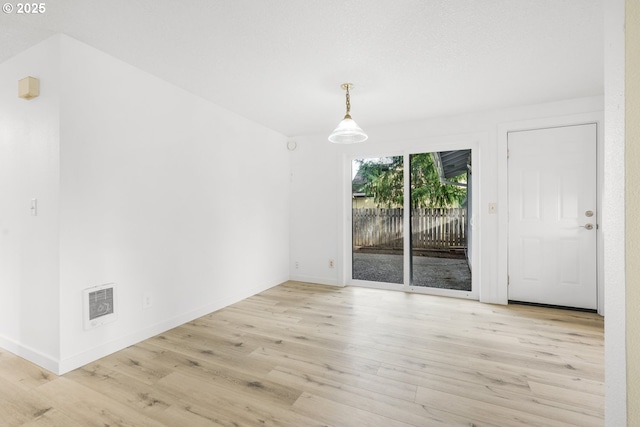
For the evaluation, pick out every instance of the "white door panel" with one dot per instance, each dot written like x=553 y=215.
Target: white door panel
x=552 y=186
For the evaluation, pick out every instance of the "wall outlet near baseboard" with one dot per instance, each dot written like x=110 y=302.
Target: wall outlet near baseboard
x=332 y=264
x=147 y=302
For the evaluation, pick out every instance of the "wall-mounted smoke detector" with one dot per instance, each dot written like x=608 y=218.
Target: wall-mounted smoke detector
x=28 y=88
x=99 y=305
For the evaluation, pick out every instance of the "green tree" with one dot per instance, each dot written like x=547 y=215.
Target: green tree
x=427 y=191
x=383 y=178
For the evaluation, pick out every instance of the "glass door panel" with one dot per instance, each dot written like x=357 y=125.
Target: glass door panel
x=440 y=203
x=378 y=219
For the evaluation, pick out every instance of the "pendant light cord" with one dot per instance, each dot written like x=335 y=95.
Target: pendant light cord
x=348 y=131
x=348 y=115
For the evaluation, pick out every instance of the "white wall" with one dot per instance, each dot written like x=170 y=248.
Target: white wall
x=161 y=193
x=632 y=202
x=140 y=184
x=318 y=216
x=613 y=226
x=29 y=146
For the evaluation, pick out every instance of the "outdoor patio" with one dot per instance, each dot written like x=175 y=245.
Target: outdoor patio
x=435 y=272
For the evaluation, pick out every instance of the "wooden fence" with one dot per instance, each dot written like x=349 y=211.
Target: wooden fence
x=432 y=228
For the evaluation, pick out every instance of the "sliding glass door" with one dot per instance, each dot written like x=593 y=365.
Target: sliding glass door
x=377 y=224
x=421 y=243
x=438 y=218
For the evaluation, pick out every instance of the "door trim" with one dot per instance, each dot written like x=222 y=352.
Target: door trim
x=597 y=118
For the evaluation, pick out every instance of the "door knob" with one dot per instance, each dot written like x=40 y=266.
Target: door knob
x=587 y=226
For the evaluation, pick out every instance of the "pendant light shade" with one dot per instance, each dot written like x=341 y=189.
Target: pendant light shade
x=348 y=131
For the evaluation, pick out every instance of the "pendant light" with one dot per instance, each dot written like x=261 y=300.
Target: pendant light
x=348 y=131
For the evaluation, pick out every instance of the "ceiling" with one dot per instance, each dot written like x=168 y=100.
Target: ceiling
x=281 y=62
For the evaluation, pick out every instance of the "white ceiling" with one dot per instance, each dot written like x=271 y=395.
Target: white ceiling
x=281 y=62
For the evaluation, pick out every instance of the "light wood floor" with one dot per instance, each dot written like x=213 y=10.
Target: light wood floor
x=306 y=355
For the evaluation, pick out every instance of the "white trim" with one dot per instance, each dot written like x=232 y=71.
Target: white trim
x=45 y=361
x=315 y=280
x=444 y=292
x=377 y=285
x=407 y=262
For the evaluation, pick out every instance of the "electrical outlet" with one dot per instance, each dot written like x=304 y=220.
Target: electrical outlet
x=297 y=265
x=331 y=263
x=146 y=300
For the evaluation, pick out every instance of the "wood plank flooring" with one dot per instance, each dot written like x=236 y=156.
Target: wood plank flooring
x=309 y=355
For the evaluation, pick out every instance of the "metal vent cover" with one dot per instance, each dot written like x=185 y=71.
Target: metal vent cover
x=99 y=305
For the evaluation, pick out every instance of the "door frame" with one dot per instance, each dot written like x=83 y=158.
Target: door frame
x=425 y=145
x=596 y=118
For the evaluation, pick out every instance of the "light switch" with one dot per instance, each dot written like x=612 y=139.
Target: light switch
x=34 y=207
x=493 y=208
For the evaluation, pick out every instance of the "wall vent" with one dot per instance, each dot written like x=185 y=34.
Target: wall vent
x=99 y=305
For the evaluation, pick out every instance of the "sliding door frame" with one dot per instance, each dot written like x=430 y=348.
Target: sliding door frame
x=347 y=250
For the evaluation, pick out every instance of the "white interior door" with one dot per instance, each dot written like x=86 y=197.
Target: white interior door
x=552 y=216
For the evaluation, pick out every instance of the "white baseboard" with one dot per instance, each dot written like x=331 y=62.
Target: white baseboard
x=316 y=280
x=44 y=361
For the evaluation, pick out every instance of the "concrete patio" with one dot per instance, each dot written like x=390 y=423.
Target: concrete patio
x=443 y=273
